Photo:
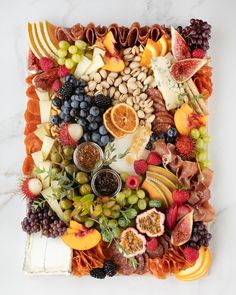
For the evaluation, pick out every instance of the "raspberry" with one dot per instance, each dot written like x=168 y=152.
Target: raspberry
x=198 y=53
x=56 y=85
x=63 y=71
x=154 y=159
x=132 y=182
x=140 y=167
x=171 y=216
x=185 y=146
x=46 y=64
x=152 y=244
x=180 y=196
x=191 y=254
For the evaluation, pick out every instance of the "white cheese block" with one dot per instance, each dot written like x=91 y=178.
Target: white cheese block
x=96 y=64
x=82 y=66
x=47 y=146
x=49 y=195
x=165 y=83
x=45 y=109
x=42 y=95
x=43 y=176
x=41 y=132
x=37 y=157
x=46 y=256
x=98 y=51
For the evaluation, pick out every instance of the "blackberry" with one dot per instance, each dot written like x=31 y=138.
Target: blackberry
x=66 y=90
x=109 y=268
x=102 y=101
x=98 y=273
x=200 y=236
x=149 y=146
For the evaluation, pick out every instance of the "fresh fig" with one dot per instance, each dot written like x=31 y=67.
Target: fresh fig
x=151 y=223
x=184 y=69
x=183 y=230
x=132 y=243
x=180 y=48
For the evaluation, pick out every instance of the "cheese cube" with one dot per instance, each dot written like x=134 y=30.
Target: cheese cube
x=45 y=110
x=47 y=146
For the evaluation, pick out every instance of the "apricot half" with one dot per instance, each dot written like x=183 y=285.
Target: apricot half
x=79 y=237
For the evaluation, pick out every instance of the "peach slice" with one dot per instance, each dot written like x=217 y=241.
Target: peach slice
x=113 y=64
x=31 y=41
x=109 y=42
x=79 y=237
x=185 y=119
x=199 y=269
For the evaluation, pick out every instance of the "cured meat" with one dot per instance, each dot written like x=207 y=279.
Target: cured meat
x=114 y=29
x=143 y=35
x=122 y=36
x=132 y=37
x=155 y=32
x=204 y=212
x=100 y=32
x=90 y=33
x=77 y=31
x=44 y=81
x=63 y=34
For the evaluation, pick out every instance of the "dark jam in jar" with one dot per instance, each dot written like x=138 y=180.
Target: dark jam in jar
x=106 y=182
x=86 y=156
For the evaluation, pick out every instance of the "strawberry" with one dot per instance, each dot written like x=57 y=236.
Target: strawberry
x=191 y=254
x=180 y=196
x=183 y=210
x=140 y=167
x=63 y=72
x=154 y=159
x=46 y=64
x=152 y=244
x=198 y=53
x=56 y=85
x=171 y=216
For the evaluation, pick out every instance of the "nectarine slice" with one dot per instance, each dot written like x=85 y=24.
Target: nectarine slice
x=75 y=225
x=109 y=42
x=113 y=64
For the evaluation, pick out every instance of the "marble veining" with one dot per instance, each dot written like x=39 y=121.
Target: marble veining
x=13 y=18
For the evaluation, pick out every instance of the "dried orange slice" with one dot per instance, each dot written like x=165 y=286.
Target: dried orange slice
x=124 y=118
x=117 y=133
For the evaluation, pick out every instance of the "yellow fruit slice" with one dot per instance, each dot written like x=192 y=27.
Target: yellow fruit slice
x=49 y=31
x=31 y=42
x=117 y=133
x=164 y=189
x=124 y=117
x=164 y=172
x=162 y=42
x=37 y=41
x=43 y=40
x=154 y=192
x=167 y=182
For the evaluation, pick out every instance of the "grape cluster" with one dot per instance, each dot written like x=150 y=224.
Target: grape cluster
x=200 y=236
x=43 y=218
x=169 y=137
x=197 y=34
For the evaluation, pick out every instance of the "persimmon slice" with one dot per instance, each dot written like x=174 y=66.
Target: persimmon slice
x=29 y=117
x=124 y=118
x=28 y=166
x=33 y=106
x=31 y=93
x=30 y=127
x=32 y=143
x=117 y=133
x=29 y=79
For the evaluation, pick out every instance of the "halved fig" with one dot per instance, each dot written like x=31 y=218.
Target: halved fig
x=183 y=230
x=180 y=48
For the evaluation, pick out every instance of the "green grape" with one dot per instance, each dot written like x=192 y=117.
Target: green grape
x=127 y=192
x=80 y=44
x=71 y=169
x=110 y=204
x=124 y=176
x=133 y=199
x=141 y=194
x=200 y=144
x=206 y=139
x=103 y=219
x=82 y=177
x=116 y=207
x=85 y=189
x=89 y=223
x=67 y=151
x=97 y=210
x=106 y=212
x=64 y=44
x=55 y=157
x=206 y=164
x=61 y=53
x=67 y=214
x=116 y=232
x=115 y=214
x=202 y=156
x=61 y=61
x=112 y=223
x=142 y=204
x=122 y=222
x=66 y=204
x=202 y=130
x=70 y=194
x=120 y=197
x=106 y=237
x=131 y=213
x=154 y=204
x=195 y=133
x=73 y=49
x=76 y=58
x=69 y=63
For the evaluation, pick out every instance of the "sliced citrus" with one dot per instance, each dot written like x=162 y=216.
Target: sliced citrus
x=117 y=133
x=163 y=44
x=124 y=117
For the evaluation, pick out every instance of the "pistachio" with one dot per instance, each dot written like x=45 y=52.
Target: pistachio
x=141 y=114
x=134 y=65
x=118 y=81
x=150 y=119
x=127 y=70
x=103 y=73
x=86 y=89
x=153 y=83
x=136 y=106
x=142 y=123
x=54 y=112
x=90 y=93
x=113 y=75
x=117 y=94
x=126 y=77
x=148 y=80
x=148 y=103
x=144 y=69
x=97 y=78
x=111 y=91
x=126 y=63
x=99 y=87
x=123 y=97
x=85 y=77
x=129 y=101
x=123 y=88
x=132 y=86
x=131 y=80
x=92 y=85
x=136 y=92
x=129 y=57
x=144 y=88
x=139 y=84
x=142 y=76
x=110 y=80
x=105 y=84
x=148 y=110
x=135 y=50
x=135 y=72
x=142 y=103
x=105 y=92
x=127 y=50
x=143 y=96
x=137 y=58
x=98 y=92
x=115 y=101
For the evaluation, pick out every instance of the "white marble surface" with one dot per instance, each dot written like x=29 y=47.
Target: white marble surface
x=13 y=18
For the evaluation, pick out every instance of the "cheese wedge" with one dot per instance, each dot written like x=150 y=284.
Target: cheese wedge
x=41 y=132
x=44 y=176
x=96 y=64
x=45 y=110
x=82 y=67
x=37 y=157
x=47 y=146
x=42 y=95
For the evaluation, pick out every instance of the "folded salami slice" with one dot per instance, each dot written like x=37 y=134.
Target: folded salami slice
x=133 y=34
x=114 y=29
x=100 y=32
x=155 y=32
x=77 y=31
x=90 y=33
x=122 y=36
x=63 y=34
x=143 y=35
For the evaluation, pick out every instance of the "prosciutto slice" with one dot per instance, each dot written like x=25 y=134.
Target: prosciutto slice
x=64 y=34
x=78 y=32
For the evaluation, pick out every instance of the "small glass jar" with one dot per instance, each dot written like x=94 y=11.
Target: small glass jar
x=86 y=155
x=106 y=182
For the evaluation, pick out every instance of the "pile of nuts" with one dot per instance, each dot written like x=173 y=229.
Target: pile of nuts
x=128 y=86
